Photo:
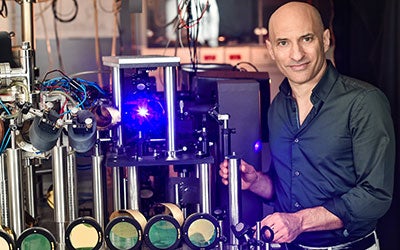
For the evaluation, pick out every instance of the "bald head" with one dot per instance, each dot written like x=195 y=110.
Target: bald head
x=294 y=14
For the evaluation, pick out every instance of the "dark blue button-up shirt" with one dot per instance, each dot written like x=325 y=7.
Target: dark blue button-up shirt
x=341 y=157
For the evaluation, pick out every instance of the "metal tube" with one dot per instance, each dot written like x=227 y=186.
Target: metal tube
x=98 y=201
x=27 y=22
x=15 y=195
x=116 y=171
x=205 y=187
x=133 y=188
x=59 y=163
x=72 y=193
x=169 y=79
x=5 y=219
x=117 y=100
x=234 y=195
x=30 y=189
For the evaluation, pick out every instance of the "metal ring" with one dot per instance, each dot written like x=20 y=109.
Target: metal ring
x=264 y=237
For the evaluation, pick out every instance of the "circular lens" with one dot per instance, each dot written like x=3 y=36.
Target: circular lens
x=6 y=241
x=162 y=232
x=36 y=239
x=124 y=235
x=35 y=242
x=201 y=231
x=84 y=234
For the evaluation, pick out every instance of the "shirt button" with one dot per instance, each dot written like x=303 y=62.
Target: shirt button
x=296 y=204
x=297 y=173
x=296 y=140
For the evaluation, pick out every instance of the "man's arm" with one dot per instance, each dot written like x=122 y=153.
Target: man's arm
x=287 y=226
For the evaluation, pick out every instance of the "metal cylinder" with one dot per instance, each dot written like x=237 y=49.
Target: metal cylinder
x=235 y=202
x=116 y=175
x=117 y=101
x=98 y=199
x=170 y=88
x=5 y=216
x=133 y=188
x=30 y=189
x=15 y=196
x=15 y=193
x=59 y=164
x=72 y=193
x=205 y=187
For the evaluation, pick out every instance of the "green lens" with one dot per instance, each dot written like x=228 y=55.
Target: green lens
x=124 y=235
x=35 y=242
x=163 y=234
x=202 y=233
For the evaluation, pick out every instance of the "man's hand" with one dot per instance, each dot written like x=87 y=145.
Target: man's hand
x=248 y=174
x=286 y=226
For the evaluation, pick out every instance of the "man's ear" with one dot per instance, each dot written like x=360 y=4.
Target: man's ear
x=326 y=39
x=269 y=48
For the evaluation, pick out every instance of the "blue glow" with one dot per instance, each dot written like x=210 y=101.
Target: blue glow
x=257 y=146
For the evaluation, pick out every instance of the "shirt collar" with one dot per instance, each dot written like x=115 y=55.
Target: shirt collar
x=321 y=90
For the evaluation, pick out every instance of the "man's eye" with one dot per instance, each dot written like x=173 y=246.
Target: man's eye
x=282 y=43
x=307 y=39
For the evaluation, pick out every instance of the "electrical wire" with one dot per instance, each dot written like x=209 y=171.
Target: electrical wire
x=57 y=14
x=3 y=10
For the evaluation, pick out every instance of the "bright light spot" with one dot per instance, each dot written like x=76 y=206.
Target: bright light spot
x=144 y=112
x=257 y=146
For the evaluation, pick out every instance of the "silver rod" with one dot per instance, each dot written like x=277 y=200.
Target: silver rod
x=30 y=189
x=258 y=234
x=117 y=99
x=205 y=187
x=27 y=22
x=72 y=192
x=260 y=21
x=234 y=195
x=98 y=198
x=5 y=217
x=59 y=163
x=170 y=87
x=133 y=188
x=116 y=171
x=15 y=196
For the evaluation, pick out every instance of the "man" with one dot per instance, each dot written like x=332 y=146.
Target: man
x=332 y=144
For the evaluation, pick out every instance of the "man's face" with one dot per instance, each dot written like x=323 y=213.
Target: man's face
x=298 y=45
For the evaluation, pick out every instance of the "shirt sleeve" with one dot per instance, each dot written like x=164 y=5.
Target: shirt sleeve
x=373 y=139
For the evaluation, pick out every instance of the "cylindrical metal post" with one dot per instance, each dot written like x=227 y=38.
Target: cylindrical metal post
x=59 y=164
x=170 y=87
x=72 y=193
x=117 y=100
x=15 y=196
x=98 y=201
x=30 y=189
x=3 y=193
x=133 y=188
x=234 y=195
x=116 y=174
x=27 y=22
x=205 y=188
